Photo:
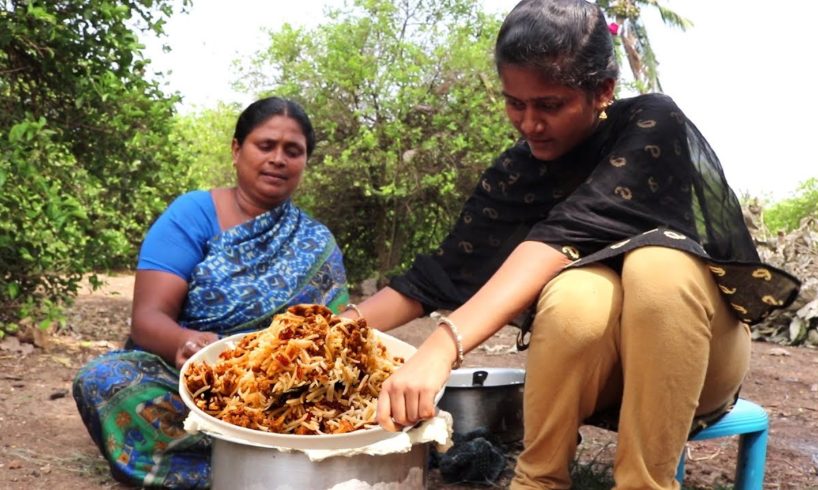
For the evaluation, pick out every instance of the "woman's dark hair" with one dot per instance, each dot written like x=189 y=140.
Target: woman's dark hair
x=261 y=110
x=567 y=41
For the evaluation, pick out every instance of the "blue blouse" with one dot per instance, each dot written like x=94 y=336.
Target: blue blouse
x=177 y=240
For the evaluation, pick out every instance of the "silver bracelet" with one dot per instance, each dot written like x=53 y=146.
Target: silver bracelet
x=354 y=307
x=458 y=339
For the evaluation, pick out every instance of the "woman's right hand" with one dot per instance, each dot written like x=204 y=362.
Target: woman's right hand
x=408 y=395
x=193 y=343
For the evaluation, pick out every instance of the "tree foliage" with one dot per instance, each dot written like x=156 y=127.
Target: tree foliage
x=204 y=137
x=786 y=215
x=404 y=98
x=84 y=156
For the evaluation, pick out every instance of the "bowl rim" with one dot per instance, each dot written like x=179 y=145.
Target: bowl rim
x=244 y=435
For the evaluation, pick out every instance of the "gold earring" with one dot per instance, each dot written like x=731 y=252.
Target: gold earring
x=604 y=115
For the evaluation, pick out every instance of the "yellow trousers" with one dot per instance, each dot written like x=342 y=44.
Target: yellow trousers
x=658 y=340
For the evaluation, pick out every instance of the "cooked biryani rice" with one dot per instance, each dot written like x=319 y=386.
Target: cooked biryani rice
x=309 y=372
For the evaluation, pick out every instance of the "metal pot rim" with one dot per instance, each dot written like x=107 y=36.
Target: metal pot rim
x=496 y=378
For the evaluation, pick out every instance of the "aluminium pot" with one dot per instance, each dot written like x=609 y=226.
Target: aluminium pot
x=247 y=467
x=486 y=398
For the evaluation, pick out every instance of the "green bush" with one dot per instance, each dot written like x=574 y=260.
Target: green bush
x=786 y=215
x=85 y=156
x=204 y=137
x=42 y=230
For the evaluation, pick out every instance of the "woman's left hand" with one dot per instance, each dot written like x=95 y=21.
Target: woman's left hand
x=194 y=341
x=408 y=396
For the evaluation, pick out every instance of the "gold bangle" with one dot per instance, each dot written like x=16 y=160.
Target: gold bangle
x=354 y=307
x=458 y=339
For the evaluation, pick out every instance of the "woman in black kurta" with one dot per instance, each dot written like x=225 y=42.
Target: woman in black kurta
x=646 y=176
x=610 y=233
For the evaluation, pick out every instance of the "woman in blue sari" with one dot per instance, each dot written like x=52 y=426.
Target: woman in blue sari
x=214 y=263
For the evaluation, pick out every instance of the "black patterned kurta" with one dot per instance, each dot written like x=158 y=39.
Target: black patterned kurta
x=646 y=176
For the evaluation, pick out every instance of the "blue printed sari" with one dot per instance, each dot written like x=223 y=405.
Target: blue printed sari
x=129 y=399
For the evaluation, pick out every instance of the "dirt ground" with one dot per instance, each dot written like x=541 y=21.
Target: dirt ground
x=43 y=443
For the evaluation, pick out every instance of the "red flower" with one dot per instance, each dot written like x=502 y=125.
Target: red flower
x=614 y=28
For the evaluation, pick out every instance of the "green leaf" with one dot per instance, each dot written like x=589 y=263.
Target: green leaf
x=40 y=13
x=12 y=290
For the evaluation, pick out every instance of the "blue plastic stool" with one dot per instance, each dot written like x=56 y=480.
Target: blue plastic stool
x=749 y=421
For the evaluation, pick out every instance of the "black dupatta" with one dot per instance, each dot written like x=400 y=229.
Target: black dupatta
x=646 y=176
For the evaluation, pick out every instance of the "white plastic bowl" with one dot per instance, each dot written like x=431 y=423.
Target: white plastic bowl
x=242 y=435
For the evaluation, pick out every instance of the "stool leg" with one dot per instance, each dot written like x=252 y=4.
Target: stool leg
x=680 y=470
x=752 y=456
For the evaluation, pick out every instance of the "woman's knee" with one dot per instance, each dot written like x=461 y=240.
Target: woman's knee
x=660 y=272
x=103 y=377
x=578 y=306
x=668 y=288
x=662 y=266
